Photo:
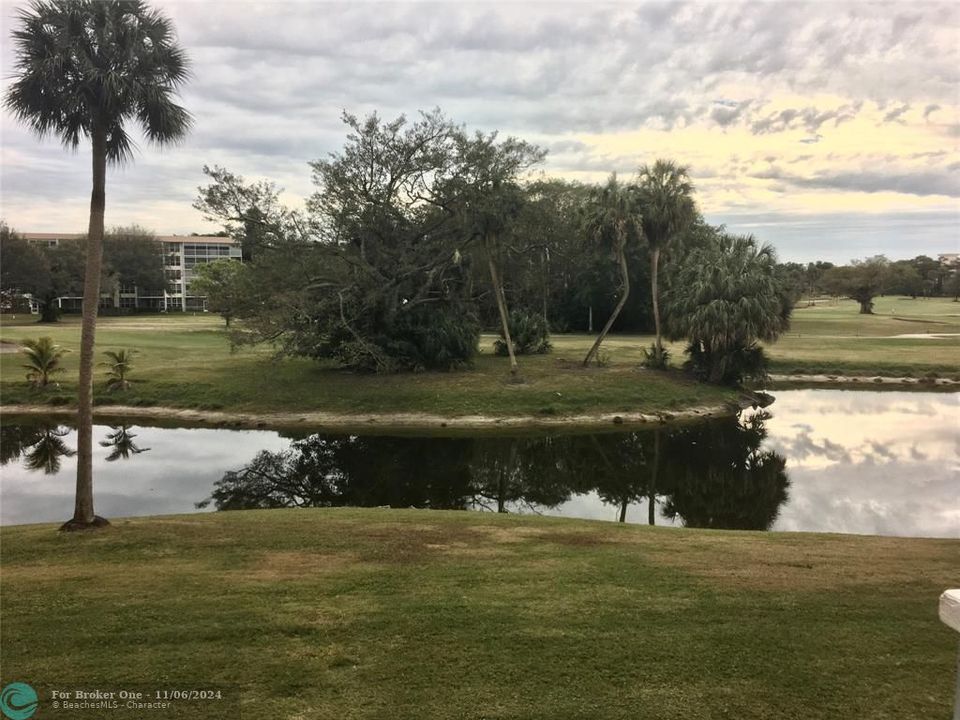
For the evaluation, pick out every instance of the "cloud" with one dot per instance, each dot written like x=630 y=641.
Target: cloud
x=895 y=114
x=710 y=81
x=727 y=112
x=810 y=119
x=945 y=183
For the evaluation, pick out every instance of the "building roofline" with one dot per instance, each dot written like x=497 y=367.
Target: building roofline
x=160 y=238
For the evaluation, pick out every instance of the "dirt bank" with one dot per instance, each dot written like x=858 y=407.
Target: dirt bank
x=343 y=422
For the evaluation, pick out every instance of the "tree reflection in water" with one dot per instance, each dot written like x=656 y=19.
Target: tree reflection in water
x=713 y=474
x=719 y=477
x=41 y=446
x=121 y=443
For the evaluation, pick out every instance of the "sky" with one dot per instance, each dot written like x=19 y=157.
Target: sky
x=828 y=130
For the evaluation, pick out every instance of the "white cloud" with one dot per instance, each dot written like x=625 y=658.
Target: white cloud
x=704 y=82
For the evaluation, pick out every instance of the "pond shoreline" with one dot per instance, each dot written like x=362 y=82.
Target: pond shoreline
x=861 y=380
x=388 y=421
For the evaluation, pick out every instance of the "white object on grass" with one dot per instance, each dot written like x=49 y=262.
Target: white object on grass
x=950 y=608
x=950 y=614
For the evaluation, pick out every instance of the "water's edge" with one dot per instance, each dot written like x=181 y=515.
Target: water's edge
x=349 y=422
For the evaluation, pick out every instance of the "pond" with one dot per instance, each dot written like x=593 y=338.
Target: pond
x=884 y=463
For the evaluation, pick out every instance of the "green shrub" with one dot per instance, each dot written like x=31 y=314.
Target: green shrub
x=730 y=367
x=529 y=333
x=656 y=358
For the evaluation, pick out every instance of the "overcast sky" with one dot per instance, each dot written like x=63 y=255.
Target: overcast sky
x=829 y=130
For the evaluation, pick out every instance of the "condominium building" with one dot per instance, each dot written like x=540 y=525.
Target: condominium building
x=181 y=255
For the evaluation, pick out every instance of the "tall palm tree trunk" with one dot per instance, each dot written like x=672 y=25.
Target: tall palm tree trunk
x=501 y=305
x=625 y=282
x=83 y=515
x=654 y=272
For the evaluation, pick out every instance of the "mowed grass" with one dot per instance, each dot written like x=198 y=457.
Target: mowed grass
x=367 y=613
x=186 y=362
x=834 y=337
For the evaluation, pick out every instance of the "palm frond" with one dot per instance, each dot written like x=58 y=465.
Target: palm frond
x=84 y=62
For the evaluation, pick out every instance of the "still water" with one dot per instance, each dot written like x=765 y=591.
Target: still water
x=885 y=463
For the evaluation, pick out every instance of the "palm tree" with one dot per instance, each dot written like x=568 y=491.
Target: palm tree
x=666 y=201
x=727 y=297
x=83 y=69
x=615 y=212
x=43 y=360
x=120 y=366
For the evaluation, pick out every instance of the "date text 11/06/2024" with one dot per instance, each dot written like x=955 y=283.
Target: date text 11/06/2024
x=128 y=699
x=145 y=696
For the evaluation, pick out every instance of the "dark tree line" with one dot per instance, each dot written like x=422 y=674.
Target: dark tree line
x=863 y=280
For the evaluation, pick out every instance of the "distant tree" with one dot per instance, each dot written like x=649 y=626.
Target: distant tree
x=390 y=291
x=488 y=195
x=132 y=257
x=726 y=298
x=613 y=217
x=862 y=281
x=932 y=274
x=547 y=241
x=555 y=263
x=24 y=271
x=43 y=358
x=84 y=69
x=668 y=210
x=43 y=273
x=223 y=283
x=375 y=275
x=905 y=279
x=793 y=277
x=814 y=276
x=952 y=285
x=251 y=212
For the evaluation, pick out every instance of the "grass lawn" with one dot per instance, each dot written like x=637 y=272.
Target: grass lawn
x=833 y=337
x=352 y=613
x=185 y=361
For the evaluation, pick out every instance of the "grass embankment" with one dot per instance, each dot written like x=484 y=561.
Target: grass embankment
x=185 y=362
x=428 y=614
